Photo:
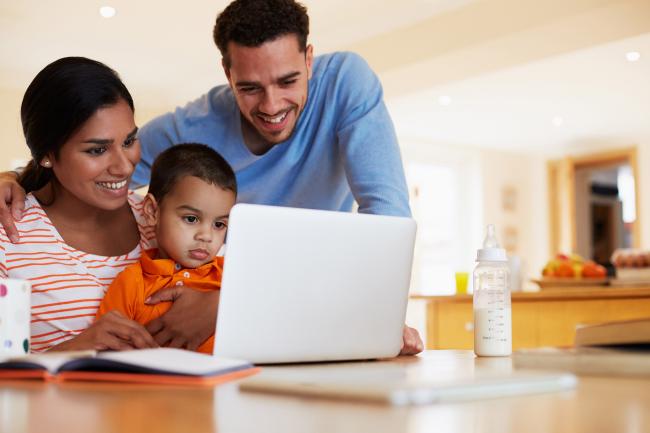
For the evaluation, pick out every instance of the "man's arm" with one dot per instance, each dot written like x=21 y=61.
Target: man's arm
x=189 y=322
x=368 y=142
x=372 y=158
x=411 y=342
x=155 y=136
x=12 y=203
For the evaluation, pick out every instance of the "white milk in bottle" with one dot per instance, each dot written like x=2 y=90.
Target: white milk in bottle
x=492 y=308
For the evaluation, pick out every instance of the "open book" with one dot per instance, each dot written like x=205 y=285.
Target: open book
x=613 y=348
x=625 y=333
x=158 y=366
x=585 y=360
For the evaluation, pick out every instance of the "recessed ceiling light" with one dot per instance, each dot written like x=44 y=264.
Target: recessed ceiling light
x=107 y=11
x=558 y=121
x=444 y=100
x=633 y=56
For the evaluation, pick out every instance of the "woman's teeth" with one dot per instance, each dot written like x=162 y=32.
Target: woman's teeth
x=112 y=185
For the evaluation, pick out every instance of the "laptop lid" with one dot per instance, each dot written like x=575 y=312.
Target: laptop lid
x=303 y=285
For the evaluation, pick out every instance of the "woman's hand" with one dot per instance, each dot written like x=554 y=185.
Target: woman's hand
x=12 y=203
x=189 y=322
x=112 y=331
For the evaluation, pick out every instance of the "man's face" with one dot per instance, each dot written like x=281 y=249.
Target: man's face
x=270 y=85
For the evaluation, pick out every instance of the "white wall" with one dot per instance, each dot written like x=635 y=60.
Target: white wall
x=527 y=175
x=491 y=172
x=643 y=207
x=467 y=208
x=12 y=143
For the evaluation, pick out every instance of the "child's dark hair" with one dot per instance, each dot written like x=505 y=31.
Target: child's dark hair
x=253 y=22
x=60 y=99
x=190 y=159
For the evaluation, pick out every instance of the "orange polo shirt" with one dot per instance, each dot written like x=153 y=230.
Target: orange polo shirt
x=145 y=277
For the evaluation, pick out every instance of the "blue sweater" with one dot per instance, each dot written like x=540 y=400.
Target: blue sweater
x=343 y=147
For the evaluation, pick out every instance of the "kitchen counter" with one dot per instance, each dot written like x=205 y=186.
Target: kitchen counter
x=545 y=318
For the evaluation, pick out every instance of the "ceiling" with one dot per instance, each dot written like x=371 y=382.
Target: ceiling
x=163 y=49
x=508 y=66
x=570 y=103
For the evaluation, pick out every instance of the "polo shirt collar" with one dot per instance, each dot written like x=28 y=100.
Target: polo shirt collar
x=168 y=267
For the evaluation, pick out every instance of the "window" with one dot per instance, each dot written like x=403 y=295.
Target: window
x=445 y=201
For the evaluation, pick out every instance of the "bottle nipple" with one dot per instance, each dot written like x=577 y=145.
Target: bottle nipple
x=490 y=238
x=491 y=250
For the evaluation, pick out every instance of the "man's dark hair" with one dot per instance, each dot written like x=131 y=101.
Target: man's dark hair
x=253 y=22
x=189 y=159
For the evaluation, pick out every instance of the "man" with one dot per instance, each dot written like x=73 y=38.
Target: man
x=298 y=131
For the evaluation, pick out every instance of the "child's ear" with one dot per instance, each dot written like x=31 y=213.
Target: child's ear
x=151 y=210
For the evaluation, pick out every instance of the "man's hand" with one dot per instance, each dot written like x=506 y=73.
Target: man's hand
x=411 y=342
x=189 y=322
x=112 y=331
x=12 y=203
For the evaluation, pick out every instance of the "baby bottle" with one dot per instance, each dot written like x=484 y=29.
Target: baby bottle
x=492 y=308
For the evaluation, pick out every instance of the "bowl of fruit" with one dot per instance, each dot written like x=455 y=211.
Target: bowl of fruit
x=572 y=270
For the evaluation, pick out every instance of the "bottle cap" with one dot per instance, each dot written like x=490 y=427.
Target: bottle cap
x=491 y=251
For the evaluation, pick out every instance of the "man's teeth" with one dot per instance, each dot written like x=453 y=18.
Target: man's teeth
x=276 y=119
x=112 y=185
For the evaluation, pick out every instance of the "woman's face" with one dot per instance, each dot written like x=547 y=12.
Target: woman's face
x=96 y=163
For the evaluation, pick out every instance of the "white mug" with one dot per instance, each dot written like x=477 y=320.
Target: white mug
x=15 y=304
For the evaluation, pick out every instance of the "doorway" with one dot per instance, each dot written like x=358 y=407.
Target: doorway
x=593 y=204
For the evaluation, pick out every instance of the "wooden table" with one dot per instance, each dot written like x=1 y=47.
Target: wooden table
x=544 y=318
x=599 y=404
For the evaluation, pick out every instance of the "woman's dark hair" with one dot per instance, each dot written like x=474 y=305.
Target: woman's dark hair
x=253 y=22
x=189 y=159
x=60 y=99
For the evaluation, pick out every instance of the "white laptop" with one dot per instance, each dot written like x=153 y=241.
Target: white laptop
x=303 y=285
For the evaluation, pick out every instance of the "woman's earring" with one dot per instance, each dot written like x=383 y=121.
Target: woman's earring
x=46 y=163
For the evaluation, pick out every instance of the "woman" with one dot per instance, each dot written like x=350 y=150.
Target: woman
x=81 y=224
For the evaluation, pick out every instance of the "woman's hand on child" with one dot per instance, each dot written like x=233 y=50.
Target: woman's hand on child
x=189 y=322
x=113 y=331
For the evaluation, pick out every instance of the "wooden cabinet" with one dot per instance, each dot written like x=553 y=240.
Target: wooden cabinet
x=545 y=318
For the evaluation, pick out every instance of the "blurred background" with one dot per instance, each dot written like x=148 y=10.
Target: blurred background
x=530 y=115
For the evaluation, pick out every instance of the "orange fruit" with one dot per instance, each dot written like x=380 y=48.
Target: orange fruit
x=565 y=270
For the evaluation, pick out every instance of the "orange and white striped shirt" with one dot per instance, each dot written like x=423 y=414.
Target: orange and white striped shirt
x=67 y=284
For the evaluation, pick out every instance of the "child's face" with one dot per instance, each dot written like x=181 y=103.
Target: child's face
x=191 y=221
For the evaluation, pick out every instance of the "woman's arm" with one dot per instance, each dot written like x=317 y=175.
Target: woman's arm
x=112 y=331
